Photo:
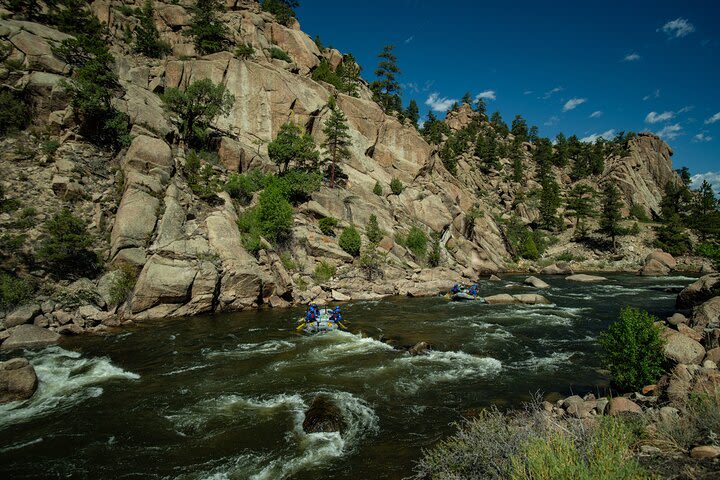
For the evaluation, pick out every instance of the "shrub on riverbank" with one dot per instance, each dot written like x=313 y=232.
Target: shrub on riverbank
x=633 y=350
x=529 y=444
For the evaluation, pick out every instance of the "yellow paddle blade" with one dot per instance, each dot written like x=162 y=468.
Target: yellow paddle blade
x=300 y=327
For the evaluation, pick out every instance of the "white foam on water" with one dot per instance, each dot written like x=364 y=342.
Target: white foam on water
x=336 y=344
x=183 y=370
x=441 y=367
x=246 y=350
x=65 y=379
x=308 y=450
x=549 y=363
x=18 y=446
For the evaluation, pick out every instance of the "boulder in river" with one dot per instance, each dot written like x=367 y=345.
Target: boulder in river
x=18 y=380
x=531 y=299
x=582 y=277
x=536 y=282
x=703 y=289
x=29 y=336
x=22 y=315
x=419 y=348
x=501 y=299
x=323 y=416
x=654 y=268
x=559 y=268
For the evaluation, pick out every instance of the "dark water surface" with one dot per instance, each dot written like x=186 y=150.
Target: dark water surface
x=223 y=397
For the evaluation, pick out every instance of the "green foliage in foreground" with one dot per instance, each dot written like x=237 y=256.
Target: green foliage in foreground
x=633 y=350
x=13 y=113
x=372 y=229
x=327 y=224
x=280 y=54
x=396 y=186
x=123 y=284
x=526 y=445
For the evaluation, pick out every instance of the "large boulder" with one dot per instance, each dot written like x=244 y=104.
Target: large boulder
x=622 y=406
x=707 y=315
x=536 y=282
x=163 y=281
x=531 y=299
x=663 y=258
x=323 y=416
x=559 y=268
x=501 y=299
x=700 y=291
x=22 y=315
x=18 y=380
x=135 y=220
x=654 y=268
x=682 y=349
x=149 y=155
x=29 y=336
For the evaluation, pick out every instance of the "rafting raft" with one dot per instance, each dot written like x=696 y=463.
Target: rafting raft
x=322 y=324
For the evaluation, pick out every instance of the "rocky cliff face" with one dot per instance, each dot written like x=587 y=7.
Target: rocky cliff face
x=189 y=254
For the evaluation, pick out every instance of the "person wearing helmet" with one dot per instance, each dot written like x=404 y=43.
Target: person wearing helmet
x=455 y=289
x=473 y=290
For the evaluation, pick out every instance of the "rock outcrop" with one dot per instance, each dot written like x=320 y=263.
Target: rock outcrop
x=323 y=416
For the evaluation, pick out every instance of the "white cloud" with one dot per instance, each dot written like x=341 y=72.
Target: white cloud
x=654 y=117
x=713 y=119
x=409 y=39
x=487 y=95
x=670 y=132
x=631 y=57
x=552 y=92
x=607 y=135
x=678 y=28
x=551 y=121
x=438 y=103
x=713 y=178
x=655 y=94
x=572 y=103
x=686 y=109
x=702 y=137
x=527 y=92
x=596 y=114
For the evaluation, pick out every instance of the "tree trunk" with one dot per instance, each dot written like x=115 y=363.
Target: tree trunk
x=332 y=170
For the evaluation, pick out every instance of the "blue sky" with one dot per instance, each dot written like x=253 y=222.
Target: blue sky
x=581 y=69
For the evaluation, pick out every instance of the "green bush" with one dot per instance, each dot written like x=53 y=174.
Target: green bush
x=13 y=291
x=324 y=272
x=396 y=186
x=709 y=250
x=280 y=54
x=604 y=455
x=350 y=241
x=197 y=107
x=699 y=424
x=201 y=177
x=288 y=262
x=298 y=185
x=241 y=187
x=372 y=229
x=275 y=215
x=244 y=51
x=416 y=241
x=123 y=284
x=13 y=113
x=327 y=224
x=249 y=226
x=638 y=212
x=371 y=262
x=65 y=250
x=528 y=247
x=434 y=256
x=633 y=350
x=49 y=147
x=377 y=189
x=293 y=145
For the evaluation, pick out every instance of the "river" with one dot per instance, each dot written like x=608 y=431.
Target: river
x=222 y=397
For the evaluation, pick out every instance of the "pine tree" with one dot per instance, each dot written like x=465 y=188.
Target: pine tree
x=337 y=139
x=206 y=27
x=386 y=89
x=480 y=107
x=560 y=157
x=372 y=230
x=549 y=204
x=467 y=99
x=533 y=135
x=705 y=216
x=519 y=128
x=517 y=159
x=283 y=11
x=499 y=125
x=293 y=145
x=147 y=37
x=543 y=158
x=581 y=202
x=349 y=73
x=412 y=113
x=434 y=129
x=671 y=236
x=610 y=216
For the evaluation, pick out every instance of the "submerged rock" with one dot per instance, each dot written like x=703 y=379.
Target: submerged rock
x=531 y=299
x=323 y=416
x=419 y=348
x=18 y=380
x=582 y=277
x=536 y=282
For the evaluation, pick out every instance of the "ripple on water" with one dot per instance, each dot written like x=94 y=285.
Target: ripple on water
x=248 y=350
x=65 y=378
